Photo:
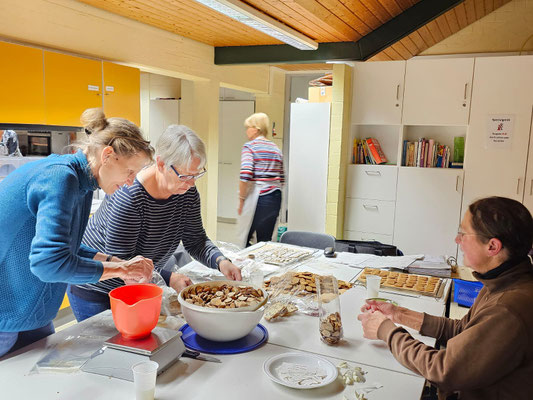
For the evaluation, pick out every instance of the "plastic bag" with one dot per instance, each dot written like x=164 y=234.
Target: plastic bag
x=291 y=292
x=68 y=356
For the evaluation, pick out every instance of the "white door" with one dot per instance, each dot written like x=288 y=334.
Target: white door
x=378 y=92
x=308 y=166
x=437 y=92
x=502 y=86
x=231 y=138
x=428 y=208
x=162 y=114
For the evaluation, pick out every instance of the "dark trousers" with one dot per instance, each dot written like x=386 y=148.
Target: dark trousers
x=11 y=341
x=266 y=214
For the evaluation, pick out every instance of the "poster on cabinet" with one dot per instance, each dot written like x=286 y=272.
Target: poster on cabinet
x=500 y=131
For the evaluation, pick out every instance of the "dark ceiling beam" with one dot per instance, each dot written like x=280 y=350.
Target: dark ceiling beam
x=368 y=46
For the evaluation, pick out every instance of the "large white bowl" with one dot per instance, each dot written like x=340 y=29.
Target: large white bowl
x=219 y=324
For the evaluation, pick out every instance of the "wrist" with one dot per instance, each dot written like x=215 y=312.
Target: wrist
x=220 y=261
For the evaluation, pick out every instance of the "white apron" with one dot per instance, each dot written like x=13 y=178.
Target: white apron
x=244 y=221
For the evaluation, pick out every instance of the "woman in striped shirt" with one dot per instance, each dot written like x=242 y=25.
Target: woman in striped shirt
x=151 y=218
x=261 y=178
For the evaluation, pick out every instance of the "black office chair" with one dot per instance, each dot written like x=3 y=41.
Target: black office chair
x=308 y=239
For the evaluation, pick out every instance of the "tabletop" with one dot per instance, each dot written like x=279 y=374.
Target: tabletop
x=239 y=376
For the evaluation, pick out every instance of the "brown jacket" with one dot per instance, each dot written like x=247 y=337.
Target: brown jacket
x=489 y=353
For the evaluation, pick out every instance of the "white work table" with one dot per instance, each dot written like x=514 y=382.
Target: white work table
x=239 y=376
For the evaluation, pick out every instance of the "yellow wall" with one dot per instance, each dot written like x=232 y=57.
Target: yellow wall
x=199 y=110
x=273 y=103
x=503 y=30
x=338 y=156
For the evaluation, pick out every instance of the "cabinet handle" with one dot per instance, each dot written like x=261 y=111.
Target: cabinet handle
x=531 y=188
x=366 y=206
x=456 y=183
x=466 y=86
x=518 y=186
x=398 y=92
x=373 y=173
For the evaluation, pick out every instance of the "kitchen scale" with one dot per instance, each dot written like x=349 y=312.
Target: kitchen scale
x=119 y=354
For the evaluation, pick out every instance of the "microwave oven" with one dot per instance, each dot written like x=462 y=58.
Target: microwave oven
x=42 y=143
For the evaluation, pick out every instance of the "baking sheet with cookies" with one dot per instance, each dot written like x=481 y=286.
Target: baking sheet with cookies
x=420 y=284
x=280 y=254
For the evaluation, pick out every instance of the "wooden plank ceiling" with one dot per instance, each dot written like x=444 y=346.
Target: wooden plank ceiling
x=321 y=20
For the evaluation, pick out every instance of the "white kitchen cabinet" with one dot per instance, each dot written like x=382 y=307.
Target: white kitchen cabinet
x=438 y=91
x=232 y=135
x=365 y=215
x=428 y=206
x=308 y=166
x=371 y=182
x=378 y=92
x=502 y=86
x=370 y=202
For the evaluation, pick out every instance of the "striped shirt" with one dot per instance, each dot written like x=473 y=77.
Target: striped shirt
x=131 y=222
x=261 y=160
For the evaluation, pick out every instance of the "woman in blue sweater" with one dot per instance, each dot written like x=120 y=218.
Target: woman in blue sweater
x=44 y=207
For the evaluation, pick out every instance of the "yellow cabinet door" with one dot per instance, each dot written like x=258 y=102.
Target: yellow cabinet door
x=21 y=80
x=122 y=87
x=72 y=84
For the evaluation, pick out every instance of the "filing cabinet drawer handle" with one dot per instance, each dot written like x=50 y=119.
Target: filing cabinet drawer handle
x=518 y=186
x=531 y=188
x=373 y=173
x=466 y=87
x=366 y=206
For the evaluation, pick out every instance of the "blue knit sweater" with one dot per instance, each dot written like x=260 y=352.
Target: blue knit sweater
x=44 y=208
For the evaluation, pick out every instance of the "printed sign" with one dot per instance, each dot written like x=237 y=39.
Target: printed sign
x=93 y=88
x=500 y=131
x=109 y=88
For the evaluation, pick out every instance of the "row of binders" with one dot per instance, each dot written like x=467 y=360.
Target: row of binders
x=368 y=151
x=425 y=153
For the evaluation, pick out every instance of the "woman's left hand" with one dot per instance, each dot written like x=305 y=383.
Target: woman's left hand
x=230 y=270
x=178 y=282
x=371 y=321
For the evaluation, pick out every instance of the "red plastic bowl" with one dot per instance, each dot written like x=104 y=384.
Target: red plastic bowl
x=136 y=309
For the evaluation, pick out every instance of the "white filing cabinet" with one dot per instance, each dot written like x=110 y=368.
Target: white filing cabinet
x=370 y=202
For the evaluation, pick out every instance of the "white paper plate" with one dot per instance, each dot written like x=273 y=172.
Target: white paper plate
x=271 y=365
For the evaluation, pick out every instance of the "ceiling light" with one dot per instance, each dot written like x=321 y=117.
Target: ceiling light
x=250 y=16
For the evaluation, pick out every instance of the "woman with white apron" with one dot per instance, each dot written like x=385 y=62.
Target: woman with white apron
x=261 y=179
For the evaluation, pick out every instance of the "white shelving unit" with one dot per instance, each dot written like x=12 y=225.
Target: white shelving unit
x=417 y=209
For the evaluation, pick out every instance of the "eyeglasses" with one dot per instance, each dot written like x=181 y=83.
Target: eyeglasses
x=188 y=177
x=461 y=234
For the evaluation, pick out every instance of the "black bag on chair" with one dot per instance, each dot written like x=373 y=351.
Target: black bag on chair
x=359 y=246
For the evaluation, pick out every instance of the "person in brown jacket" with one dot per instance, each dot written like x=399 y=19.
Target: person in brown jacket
x=489 y=352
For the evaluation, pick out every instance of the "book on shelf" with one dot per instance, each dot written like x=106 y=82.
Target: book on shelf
x=427 y=153
x=368 y=151
x=376 y=151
